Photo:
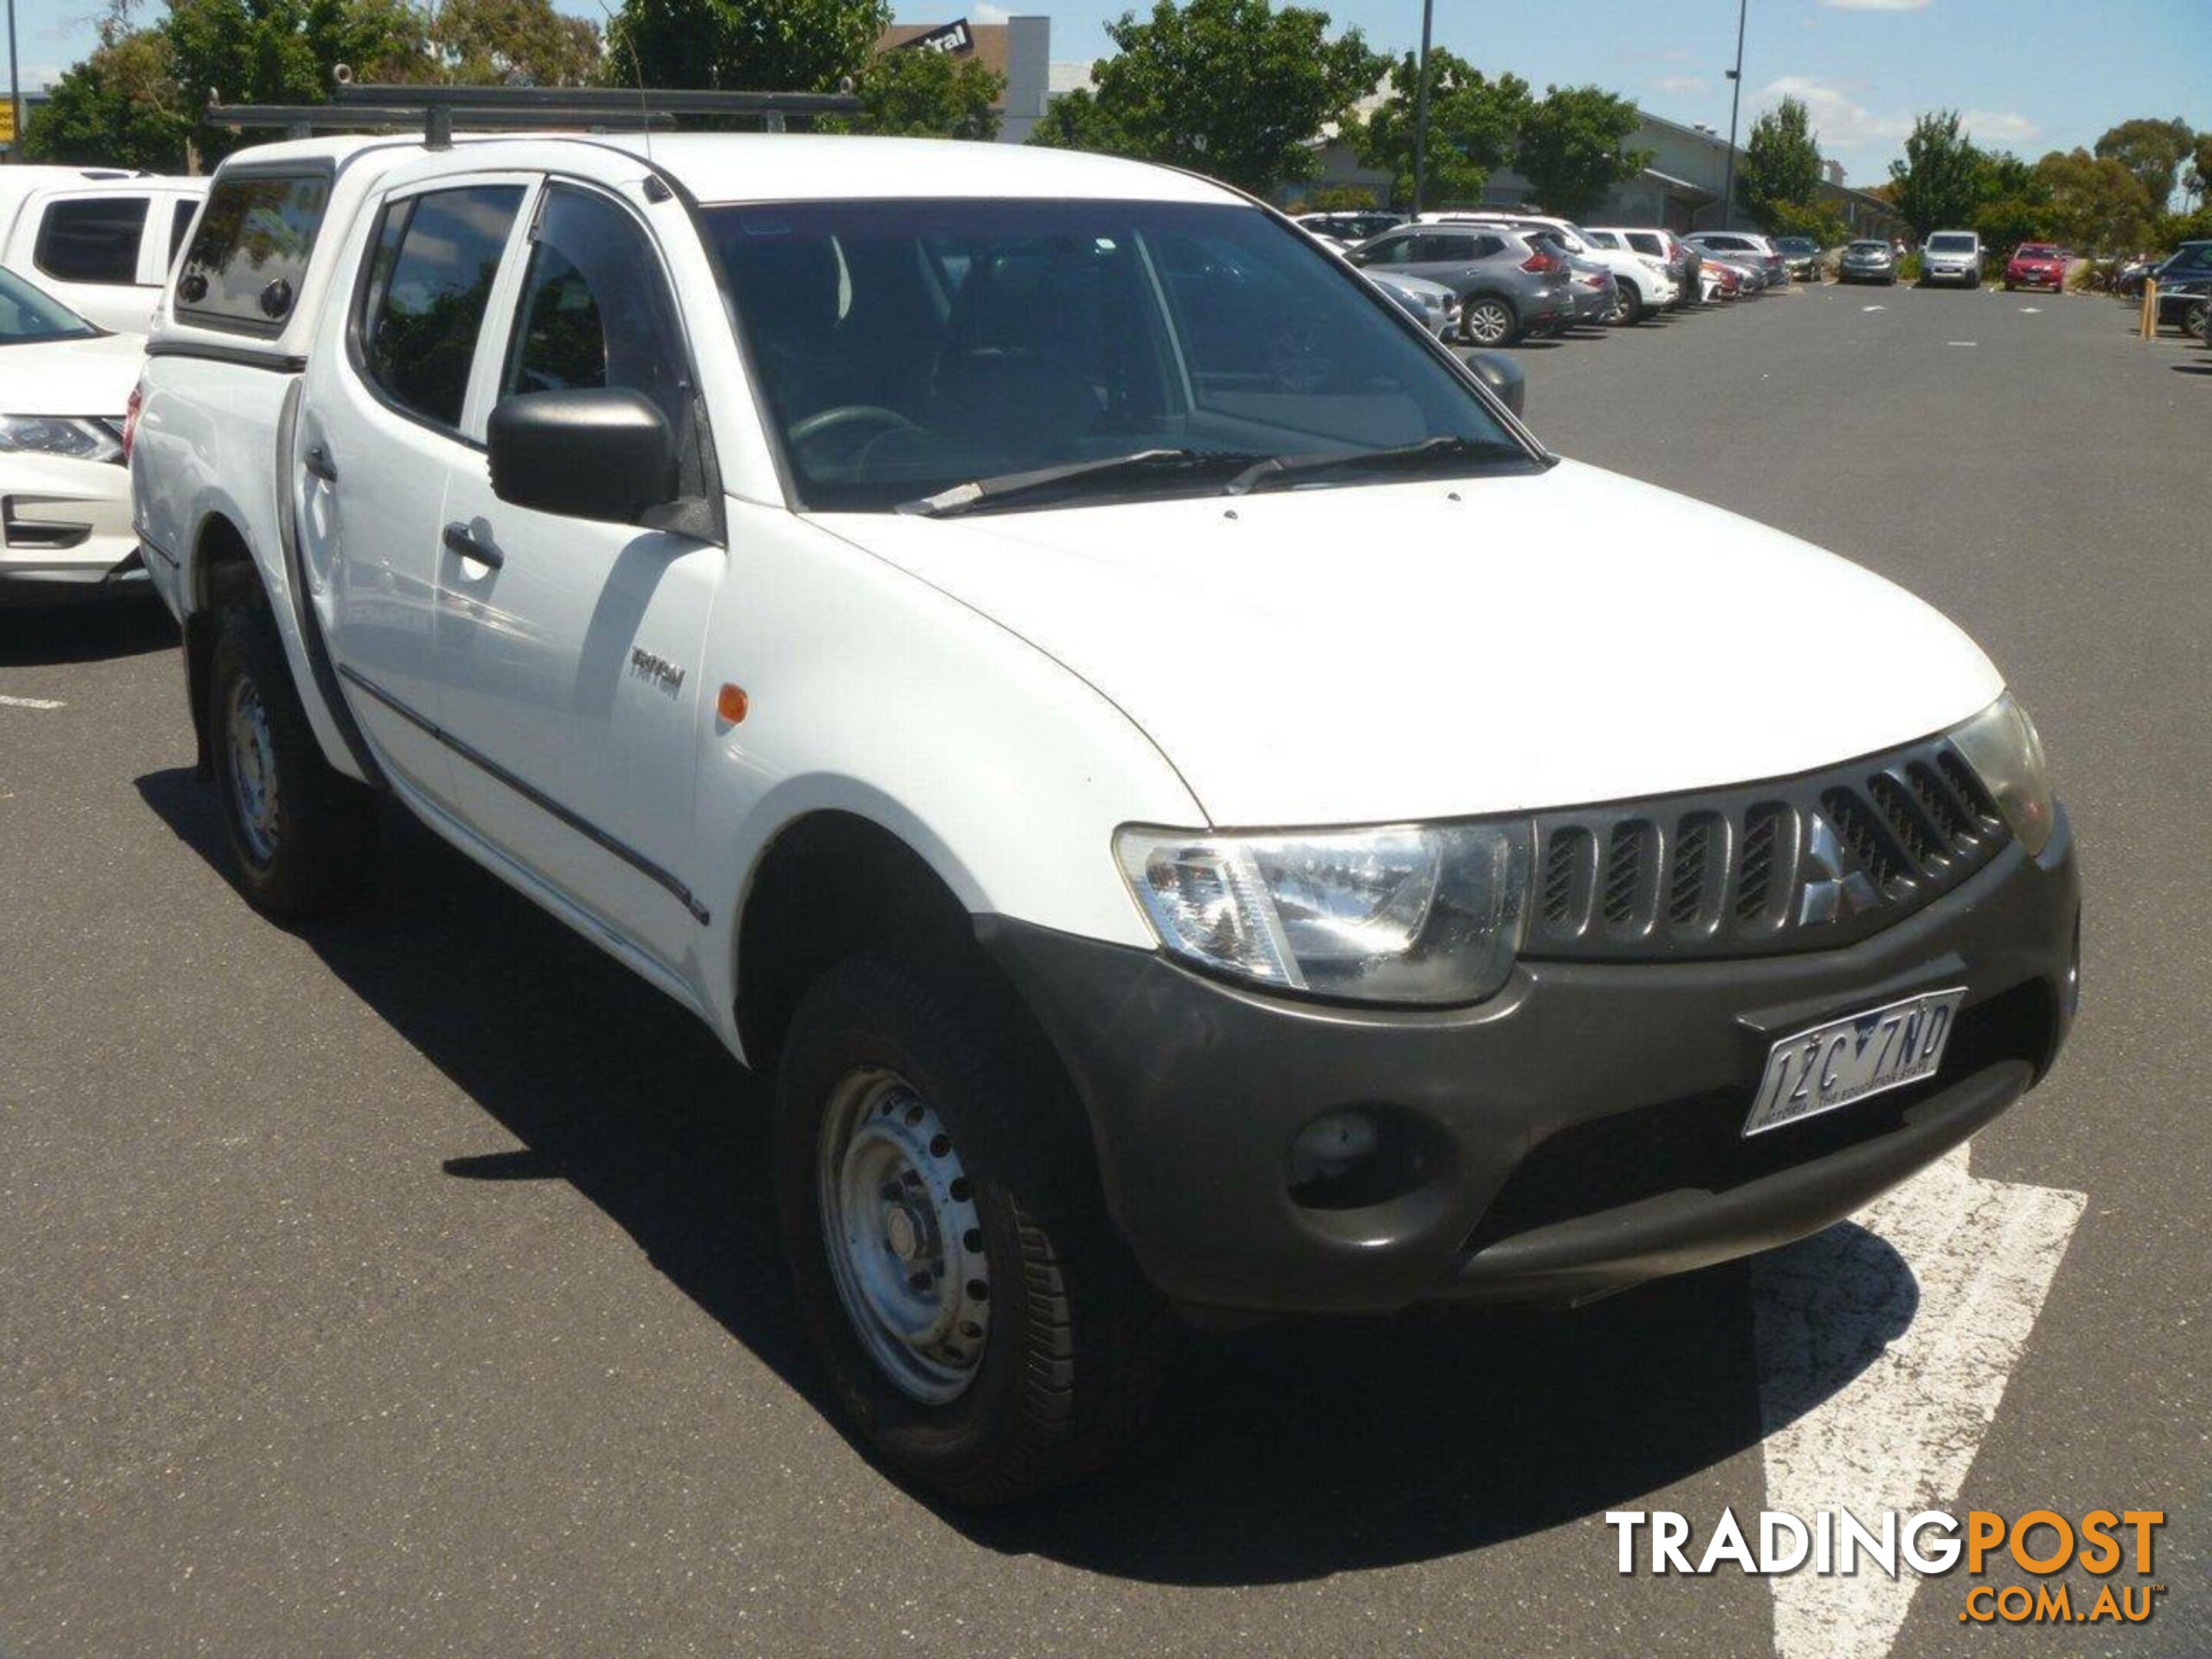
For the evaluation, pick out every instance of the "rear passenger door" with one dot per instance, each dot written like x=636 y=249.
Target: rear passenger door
x=383 y=424
x=571 y=659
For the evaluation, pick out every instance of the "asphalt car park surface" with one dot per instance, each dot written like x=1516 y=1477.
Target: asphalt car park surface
x=406 y=1285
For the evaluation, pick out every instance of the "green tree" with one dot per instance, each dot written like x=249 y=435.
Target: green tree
x=1230 y=87
x=1572 y=148
x=2151 y=149
x=489 y=42
x=285 y=52
x=925 y=94
x=120 y=107
x=1473 y=123
x=1077 y=120
x=743 y=45
x=1939 y=181
x=1781 y=169
x=2097 y=205
x=1337 y=198
x=2013 y=206
x=2198 y=179
x=1822 y=223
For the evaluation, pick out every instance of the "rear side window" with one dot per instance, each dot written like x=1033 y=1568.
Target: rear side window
x=429 y=280
x=1645 y=244
x=93 y=239
x=249 y=256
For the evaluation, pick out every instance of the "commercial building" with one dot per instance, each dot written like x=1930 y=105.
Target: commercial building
x=1679 y=187
x=1020 y=49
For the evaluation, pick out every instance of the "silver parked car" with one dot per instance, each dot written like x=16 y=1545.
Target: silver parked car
x=1870 y=261
x=1508 y=286
x=1431 y=305
x=1951 y=255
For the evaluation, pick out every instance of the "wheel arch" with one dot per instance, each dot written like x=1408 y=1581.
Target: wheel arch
x=828 y=884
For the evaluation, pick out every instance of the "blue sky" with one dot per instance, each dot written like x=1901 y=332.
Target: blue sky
x=2032 y=74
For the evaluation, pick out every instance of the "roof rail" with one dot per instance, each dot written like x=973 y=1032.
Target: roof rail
x=441 y=109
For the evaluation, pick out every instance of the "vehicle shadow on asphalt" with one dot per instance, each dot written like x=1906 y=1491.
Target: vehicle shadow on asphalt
x=1286 y=1452
x=89 y=632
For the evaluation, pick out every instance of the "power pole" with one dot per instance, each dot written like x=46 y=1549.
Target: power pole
x=1420 y=111
x=1735 y=101
x=15 y=90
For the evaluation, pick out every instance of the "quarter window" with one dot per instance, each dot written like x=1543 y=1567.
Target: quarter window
x=249 y=256
x=595 y=311
x=92 y=239
x=429 y=279
x=180 y=221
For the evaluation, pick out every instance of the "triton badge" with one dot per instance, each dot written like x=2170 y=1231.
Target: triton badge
x=660 y=669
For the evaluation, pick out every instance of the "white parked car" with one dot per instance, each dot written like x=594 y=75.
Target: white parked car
x=101 y=242
x=1125 y=781
x=1641 y=283
x=65 y=528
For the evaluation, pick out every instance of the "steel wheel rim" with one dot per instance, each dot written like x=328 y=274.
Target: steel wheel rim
x=903 y=1237
x=253 y=768
x=1487 y=324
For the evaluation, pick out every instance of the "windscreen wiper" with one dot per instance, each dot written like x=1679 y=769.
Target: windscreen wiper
x=1448 y=446
x=981 y=493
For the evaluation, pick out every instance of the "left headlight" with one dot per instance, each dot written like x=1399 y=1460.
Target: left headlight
x=2001 y=745
x=60 y=434
x=1423 y=914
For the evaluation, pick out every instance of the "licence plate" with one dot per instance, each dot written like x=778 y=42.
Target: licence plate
x=1848 y=1058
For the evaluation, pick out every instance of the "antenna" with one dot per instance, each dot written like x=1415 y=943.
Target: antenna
x=644 y=114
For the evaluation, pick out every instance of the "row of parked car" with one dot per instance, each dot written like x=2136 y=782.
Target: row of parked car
x=1493 y=278
x=83 y=253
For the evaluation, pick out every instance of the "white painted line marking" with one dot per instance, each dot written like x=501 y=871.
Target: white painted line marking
x=31 y=702
x=2030 y=310
x=1925 y=1305
x=1958 y=343
x=1873 y=307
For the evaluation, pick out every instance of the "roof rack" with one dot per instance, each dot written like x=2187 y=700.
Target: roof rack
x=441 y=109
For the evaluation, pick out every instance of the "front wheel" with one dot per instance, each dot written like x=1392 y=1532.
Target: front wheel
x=977 y=1314
x=1627 y=305
x=304 y=833
x=1488 y=322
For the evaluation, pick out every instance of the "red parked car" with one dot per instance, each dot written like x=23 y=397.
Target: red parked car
x=2037 y=265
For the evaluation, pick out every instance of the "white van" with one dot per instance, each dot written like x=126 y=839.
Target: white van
x=1065 y=674
x=1951 y=255
x=100 y=242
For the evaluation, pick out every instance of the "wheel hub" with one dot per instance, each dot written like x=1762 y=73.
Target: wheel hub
x=904 y=1240
x=253 y=752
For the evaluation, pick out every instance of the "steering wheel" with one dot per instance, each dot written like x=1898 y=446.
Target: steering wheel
x=825 y=420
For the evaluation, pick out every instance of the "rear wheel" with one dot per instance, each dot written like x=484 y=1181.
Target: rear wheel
x=1627 y=304
x=1488 y=322
x=304 y=833
x=978 y=1316
x=2197 y=319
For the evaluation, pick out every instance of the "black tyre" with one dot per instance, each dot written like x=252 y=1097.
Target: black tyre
x=978 y=1316
x=1487 y=320
x=2197 y=320
x=1628 y=307
x=304 y=833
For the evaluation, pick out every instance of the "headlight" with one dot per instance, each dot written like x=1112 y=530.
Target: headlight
x=2001 y=744
x=1409 y=914
x=59 y=435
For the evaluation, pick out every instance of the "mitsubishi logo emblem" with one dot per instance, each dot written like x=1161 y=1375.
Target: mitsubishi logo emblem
x=1835 y=886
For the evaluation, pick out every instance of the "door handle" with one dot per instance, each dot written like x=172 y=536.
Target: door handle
x=459 y=538
x=317 y=460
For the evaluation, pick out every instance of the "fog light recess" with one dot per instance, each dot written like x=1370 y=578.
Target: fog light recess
x=1353 y=1157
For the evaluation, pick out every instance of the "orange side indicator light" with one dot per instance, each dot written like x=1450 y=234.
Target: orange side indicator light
x=732 y=704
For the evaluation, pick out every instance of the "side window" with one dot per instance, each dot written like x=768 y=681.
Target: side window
x=429 y=279
x=595 y=311
x=1389 y=251
x=249 y=256
x=1486 y=245
x=180 y=221
x=92 y=239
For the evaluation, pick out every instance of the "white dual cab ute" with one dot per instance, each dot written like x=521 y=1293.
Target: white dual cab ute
x=895 y=596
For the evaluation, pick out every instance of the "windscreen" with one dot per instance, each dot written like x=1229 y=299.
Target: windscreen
x=1950 y=244
x=28 y=314
x=905 y=348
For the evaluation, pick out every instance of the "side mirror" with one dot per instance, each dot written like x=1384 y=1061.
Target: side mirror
x=601 y=452
x=1502 y=375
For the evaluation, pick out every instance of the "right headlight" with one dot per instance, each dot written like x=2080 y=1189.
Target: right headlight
x=1409 y=914
x=2002 y=746
x=60 y=434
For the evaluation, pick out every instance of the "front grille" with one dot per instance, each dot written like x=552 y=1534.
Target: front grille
x=1744 y=872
